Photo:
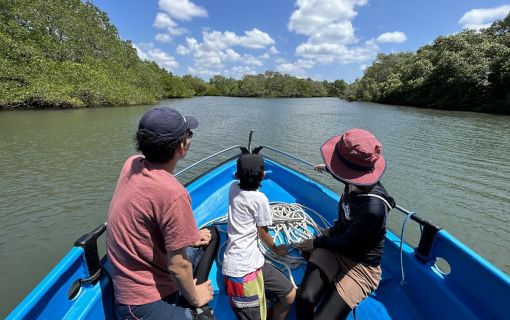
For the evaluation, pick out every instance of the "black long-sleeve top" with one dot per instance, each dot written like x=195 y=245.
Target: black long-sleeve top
x=360 y=229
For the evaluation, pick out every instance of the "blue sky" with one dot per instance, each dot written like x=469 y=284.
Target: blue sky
x=320 y=39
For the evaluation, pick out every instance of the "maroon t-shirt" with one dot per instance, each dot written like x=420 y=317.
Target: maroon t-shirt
x=149 y=215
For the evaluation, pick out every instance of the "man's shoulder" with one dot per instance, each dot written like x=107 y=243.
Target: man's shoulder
x=170 y=186
x=156 y=180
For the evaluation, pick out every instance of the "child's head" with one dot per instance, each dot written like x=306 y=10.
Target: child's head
x=250 y=171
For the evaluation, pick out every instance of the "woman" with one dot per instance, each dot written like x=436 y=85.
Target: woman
x=344 y=266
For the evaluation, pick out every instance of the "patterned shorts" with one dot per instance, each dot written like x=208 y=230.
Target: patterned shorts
x=247 y=295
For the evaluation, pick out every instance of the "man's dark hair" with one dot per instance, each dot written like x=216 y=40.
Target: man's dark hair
x=157 y=149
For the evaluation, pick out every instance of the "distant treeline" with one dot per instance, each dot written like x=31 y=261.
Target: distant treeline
x=66 y=53
x=469 y=70
x=270 y=84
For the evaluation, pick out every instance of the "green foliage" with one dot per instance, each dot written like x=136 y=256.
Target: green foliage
x=66 y=53
x=465 y=71
x=269 y=84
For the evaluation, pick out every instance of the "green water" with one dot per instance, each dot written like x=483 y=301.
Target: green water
x=58 y=169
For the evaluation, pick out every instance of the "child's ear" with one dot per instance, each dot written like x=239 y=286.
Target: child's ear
x=237 y=175
x=262 y=174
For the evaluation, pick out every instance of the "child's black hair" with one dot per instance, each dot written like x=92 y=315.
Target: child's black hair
x=250 y=171
x=250 y=183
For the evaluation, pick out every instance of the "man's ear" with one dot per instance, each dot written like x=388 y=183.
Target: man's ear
x=181 y=147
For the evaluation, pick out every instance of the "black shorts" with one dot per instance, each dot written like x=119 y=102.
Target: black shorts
x=276 y=284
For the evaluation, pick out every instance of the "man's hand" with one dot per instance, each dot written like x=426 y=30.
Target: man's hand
x=181 y=272
x=205 y=238
x=305 y=245
x=204 y=293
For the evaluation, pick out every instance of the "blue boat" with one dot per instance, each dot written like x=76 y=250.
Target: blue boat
x=412 y=285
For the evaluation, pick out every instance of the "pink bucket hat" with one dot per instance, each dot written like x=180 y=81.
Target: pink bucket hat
x=355 y=157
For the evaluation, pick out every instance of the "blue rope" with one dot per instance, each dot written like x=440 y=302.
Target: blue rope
x=402 y=280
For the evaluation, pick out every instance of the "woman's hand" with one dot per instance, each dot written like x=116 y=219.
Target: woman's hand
x=320 y=167
x=305 y=245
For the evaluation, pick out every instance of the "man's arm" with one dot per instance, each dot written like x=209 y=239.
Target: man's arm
x=181 y=271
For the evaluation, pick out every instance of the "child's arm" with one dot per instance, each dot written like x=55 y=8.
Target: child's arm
x=264 y=235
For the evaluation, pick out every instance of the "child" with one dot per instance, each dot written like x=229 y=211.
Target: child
x=247 y=277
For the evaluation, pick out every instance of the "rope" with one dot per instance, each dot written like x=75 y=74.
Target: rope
x=402 y=279
x=291 y=224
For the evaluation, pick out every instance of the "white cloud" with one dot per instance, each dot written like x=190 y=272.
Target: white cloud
x=297 y=68
x=216 y=53
x=482 y=18
x=183 y=50
x=230 y=55
x=176 y=9
x=202 y=72
x=328 y=25
x=163 y=37
x=171 y=30
x=312 y=16
x=239 y=71
x=265 y=56
x=182 y=9
x=147 y=51
x=328 y=53
x=255 y=39
x=251 y=60
x=164 y=21
x=236 y=72
x=396 y=36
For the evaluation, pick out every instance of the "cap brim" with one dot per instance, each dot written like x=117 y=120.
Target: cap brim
x=345 y=174
x=191 y=122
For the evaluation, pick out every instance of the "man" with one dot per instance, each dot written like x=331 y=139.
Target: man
x=152 y=234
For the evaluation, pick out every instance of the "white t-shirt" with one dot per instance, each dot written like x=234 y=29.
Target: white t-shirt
x=246 y=211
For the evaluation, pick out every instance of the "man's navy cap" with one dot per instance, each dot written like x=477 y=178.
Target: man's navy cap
x=250 y=164
x=168 y=123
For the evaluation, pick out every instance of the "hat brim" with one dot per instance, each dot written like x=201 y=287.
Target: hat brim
x=191 y=122
x=345 y=174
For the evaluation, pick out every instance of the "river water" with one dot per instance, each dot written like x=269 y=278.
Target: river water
x=58 y=169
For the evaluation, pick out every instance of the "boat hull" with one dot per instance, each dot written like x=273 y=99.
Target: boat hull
x=473 y=289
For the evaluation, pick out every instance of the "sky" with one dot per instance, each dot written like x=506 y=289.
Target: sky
x=318 y=39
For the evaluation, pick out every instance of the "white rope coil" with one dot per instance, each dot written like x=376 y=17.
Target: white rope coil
x=291 y=224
